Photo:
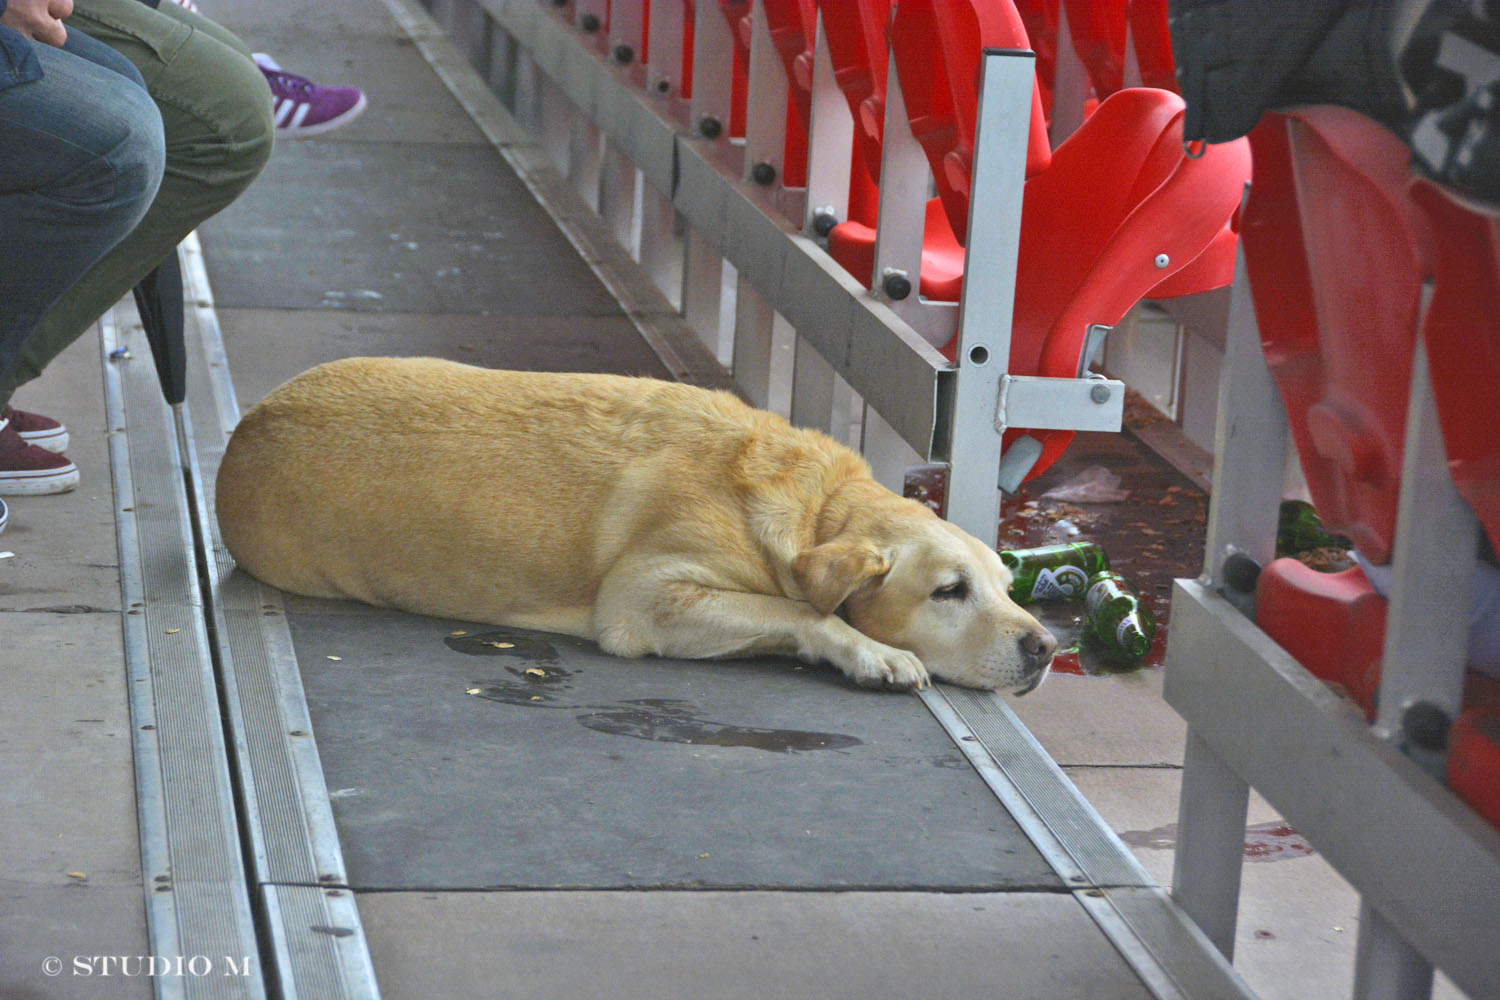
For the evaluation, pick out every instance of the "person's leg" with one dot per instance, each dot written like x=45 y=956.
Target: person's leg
x=81 y=158
x=216 y=109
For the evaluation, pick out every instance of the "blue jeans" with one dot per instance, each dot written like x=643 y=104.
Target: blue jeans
x=82 y=152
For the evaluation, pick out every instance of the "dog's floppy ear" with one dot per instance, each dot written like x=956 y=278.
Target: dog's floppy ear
x=830 y=572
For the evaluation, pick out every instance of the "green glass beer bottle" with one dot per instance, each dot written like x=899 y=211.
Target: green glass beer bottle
x=1299 y=529
x=1119 y=619
x=1053 y=572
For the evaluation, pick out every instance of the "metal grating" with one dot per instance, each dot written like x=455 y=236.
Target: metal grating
x=288 y=818
x=1165 y=949
x=197 y=902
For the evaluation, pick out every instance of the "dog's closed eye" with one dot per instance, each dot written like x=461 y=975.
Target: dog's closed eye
x=958 y=590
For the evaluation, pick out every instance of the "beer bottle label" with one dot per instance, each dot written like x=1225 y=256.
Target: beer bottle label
x=1057 y=584
x=1097 y=594
x=1122 y=631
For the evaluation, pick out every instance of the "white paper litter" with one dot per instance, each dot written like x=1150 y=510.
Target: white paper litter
x=1096 y=484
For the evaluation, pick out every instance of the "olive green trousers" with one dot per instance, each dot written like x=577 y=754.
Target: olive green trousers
x=216 y=112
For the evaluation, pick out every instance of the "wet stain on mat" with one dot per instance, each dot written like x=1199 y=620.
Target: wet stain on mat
x=668 y=720
x=503 y=642
x=536 y=681
x=533 y=686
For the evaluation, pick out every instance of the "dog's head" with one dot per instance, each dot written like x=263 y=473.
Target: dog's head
x=918 y=583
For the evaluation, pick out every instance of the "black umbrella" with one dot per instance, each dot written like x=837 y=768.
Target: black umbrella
x=158 y=298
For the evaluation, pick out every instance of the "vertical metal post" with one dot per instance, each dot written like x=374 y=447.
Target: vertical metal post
x=904 y=180
x=830 y=140
x=1211 y=813
x=812 y=389
x=1432 y=562
x=585 y=10
x=754 y=321
x=1250 y=444
x=765 y=114
x=702 y=288
x=1070 y=84
x=713 y=55
x=887 y=451
x=617 y=188
x=626 y=31
x=1385 y=966
x=1250 y=450
x=989 y=290
x=662 y=245
x=664 y=70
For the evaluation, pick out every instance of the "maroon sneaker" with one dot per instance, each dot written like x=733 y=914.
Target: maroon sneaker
x=44 y=432
x=28 y=469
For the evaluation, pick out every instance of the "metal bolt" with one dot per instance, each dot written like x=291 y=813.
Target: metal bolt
x=896 y=284
x=763 y=174
x=589 y=23
x=624 y=53
x=710 y=127
x=1099 y=394
x=663 y=86
x=1241 y=572
x=823 y=223
x=1162 y=260
x=1426 y=726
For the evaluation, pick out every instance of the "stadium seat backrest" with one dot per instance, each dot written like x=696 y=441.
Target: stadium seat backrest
x=1337 y=256
x=1463 y=350
x=937 y=45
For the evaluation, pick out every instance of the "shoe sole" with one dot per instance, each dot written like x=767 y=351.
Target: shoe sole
x=308 y=131
x=62 y=480
x=4 y=516
x=53 y=441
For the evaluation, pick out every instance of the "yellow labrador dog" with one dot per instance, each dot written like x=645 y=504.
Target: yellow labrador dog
x=648 y=516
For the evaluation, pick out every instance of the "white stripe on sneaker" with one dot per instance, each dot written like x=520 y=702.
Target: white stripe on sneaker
x=284 y=109
x=302 y=110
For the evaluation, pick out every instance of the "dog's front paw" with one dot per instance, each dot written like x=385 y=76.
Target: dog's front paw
x=878 y=665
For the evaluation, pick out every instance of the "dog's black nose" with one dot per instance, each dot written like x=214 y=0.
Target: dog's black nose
x=1038 y=647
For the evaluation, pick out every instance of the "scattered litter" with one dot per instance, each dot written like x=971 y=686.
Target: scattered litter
x=701 y=857
x=535 y=672
x=7 y=555
x=475 y=690
x=459 y=632
x=173 y=631
x=81 y=876
x=1096 y=484
x=536 y=697
x=497 y=644
x=335 y=658
x=1066 y=527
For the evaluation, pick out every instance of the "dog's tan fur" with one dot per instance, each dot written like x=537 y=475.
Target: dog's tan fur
x=649 y=516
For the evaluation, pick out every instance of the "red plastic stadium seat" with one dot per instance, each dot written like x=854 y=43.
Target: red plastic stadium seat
x=1109 y=217
x=1337 y=255
x=1331 y=623
x=1463 y=349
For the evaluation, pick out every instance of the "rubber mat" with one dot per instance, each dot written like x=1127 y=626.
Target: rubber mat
x=466 y=756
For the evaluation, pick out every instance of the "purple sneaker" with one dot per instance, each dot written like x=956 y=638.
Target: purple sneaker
x=302 y=108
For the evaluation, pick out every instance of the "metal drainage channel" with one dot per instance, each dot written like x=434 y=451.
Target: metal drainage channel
x=239 y=854
x=1164 y=947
